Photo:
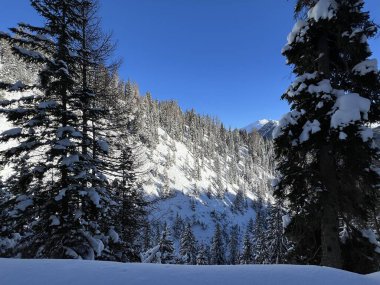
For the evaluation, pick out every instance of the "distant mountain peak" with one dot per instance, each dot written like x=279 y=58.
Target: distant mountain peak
x=264 y=127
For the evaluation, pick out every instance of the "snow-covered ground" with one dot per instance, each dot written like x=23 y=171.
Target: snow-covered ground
x=72 y=272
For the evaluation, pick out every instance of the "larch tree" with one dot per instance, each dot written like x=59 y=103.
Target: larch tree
x=324 y=146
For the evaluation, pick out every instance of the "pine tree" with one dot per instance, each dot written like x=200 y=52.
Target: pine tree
x=234 y=246
x=166 y=247
x=188 y=249
x=217 y=247
x=178 y=226
x=324 y=145
x=68 y=219
x=259 y=238
x=276 y=244
x=247 y=252
x=202 y=256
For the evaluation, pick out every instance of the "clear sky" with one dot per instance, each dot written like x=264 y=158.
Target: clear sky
x=220 y=57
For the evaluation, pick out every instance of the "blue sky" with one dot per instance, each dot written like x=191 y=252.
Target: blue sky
x=220 y=57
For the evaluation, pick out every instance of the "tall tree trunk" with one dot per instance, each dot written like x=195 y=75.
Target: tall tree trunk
x=331 y=252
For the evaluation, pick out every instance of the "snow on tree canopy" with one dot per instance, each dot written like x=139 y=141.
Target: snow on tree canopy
x=54 y=220
x=286 y=219
x=47 y=104
x=29 y=53
x=11 y=132
x=348 y=109
x=114 y=235
x=309 y=127
x=366 y=133
x=68 y=161
x=296 y=35
x=17 y=86
x=324 y=9
x=103 y=145
x=365 y=67
x=289 y=118
x=371 y=236
x=68 y=129
x=323 y=86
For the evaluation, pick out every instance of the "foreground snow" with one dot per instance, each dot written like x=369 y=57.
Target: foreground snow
x=62 y=272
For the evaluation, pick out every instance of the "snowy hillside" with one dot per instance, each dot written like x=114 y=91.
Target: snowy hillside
x=196 y=201
x=63 y=272
x=200 y=187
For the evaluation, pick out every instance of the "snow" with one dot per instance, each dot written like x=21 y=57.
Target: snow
x=324 y=9
x=68 y=129
x=70 y=160
x=23 y=202
x=78 y=272
x=103 y=145
x=94 y=197
x=297 y=34
x=256 y=125
x=11 y=132
x=54 y=220
x=17 y=86
x=114 y=235
x=264 y=127
x=309 y=128
x=371 y=236
x=96 y=244
x=29 y=53
x=289 y=118
x=342 y=135
x=47 y=104
x=286 y=221
x=349 y=108
x=366 y=133
x=323 y=86
x=365 y=67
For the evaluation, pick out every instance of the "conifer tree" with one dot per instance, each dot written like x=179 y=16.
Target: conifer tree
x=276 y=244
x=217 y=247
x=202 y=256
x=247 y=252
x=259 y=238
x=324 y=145
x=166 y=247
x=234 y=246
x=62 y=192
x=188 y=249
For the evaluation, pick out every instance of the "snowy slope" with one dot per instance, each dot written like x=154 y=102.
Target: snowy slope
x=73 y=272
x=189 y=197
x=195 y=201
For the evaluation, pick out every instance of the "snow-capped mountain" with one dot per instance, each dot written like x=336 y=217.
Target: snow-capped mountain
x=257 y=125
x=264 y=127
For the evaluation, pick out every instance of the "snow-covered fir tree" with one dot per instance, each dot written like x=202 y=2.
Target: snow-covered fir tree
x=188 y=246
x=202 y=256
x=57 y=151
x=234 y=246
x=166 y=249
x=247 y=251
x=277 y=245
x=325 y=145
x=217 y=247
